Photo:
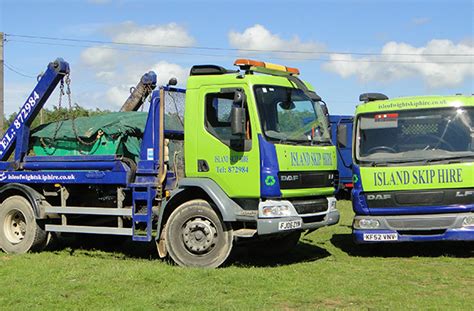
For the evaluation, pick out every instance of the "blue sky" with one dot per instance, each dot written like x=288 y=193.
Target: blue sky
x=102 y=75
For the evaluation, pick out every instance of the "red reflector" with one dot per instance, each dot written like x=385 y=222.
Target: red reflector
x=386 y=116
x=349 y=185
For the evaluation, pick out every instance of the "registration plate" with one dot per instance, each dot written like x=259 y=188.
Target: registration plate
x=380 y=237
x=289 y=225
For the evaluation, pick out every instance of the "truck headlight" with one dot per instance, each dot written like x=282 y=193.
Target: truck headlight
x=331 y=203
x=366 y=223
x=468 y=221
x=274 y=208
x=276 y=211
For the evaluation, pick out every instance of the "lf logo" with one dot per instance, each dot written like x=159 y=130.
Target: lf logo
x=465 y=193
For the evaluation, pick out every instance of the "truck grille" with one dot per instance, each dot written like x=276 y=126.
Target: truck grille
x=308 y=179
x=421 y=223
x=311 y=206
x=443 y=197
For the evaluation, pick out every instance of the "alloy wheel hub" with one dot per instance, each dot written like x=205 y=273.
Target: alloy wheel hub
x=199 y=235
x=15 y=226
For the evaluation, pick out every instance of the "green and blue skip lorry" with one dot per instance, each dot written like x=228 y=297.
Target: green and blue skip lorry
x=258 y=166
x=413 y=169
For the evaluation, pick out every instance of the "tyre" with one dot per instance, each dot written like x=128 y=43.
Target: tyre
x=197 y=237
x=277 y=245
x=19 y=231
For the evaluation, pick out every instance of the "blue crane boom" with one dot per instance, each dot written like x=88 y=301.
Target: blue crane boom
x=27 y=174
x=139 y=93
x=20 y=127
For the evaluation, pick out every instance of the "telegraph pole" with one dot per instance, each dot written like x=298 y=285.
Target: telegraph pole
x=1 y=82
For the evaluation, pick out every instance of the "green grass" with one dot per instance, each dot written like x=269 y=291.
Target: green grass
x=325 y=271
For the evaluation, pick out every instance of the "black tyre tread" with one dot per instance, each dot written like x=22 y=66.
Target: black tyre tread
x=40 y=236
x=41 y=239
x=207 y=208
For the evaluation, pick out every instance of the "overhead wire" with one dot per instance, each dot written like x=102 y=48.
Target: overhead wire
x=319 y=59
x=17 y=71
x=115 y=48
x=237 y=49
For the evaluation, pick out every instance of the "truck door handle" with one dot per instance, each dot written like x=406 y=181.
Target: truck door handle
x=203 y=166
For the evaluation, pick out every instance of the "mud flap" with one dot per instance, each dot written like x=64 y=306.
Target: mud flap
x=161 y=243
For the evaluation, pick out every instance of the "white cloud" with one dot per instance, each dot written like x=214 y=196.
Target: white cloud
x=100 y=57
x=418 y=21
x=166 y=70
x=436 y=71
x=469 y=41
x=117 y=70
x=81 y=29
x=15 y=95
x=258 y=37
x=106 y=76
x=170 y=34
x=120 y=81
x=116 y=95
x=99 y=2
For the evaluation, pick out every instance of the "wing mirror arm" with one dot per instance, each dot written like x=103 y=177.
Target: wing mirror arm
x=237 y=114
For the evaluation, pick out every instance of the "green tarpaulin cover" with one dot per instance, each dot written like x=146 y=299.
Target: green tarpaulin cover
x=112 y=133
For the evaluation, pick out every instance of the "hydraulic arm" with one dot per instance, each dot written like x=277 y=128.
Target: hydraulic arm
x=139 y=93
x=19 y=129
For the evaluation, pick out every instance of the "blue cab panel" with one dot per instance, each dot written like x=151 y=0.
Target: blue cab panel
x=344 y=153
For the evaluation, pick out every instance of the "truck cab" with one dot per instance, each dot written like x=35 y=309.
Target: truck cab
x=413 y=169
x=258 y=137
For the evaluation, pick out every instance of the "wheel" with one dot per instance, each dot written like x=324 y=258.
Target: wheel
x=197 y=237
x=19 y=231
x=278 y=245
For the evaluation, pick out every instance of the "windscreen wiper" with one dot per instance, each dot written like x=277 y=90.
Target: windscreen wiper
x=321 y=143
x=283 y=140
x=449 y=159
x=374 y=163
x=292 y=141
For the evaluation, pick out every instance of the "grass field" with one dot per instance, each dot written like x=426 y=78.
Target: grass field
x=325 y=271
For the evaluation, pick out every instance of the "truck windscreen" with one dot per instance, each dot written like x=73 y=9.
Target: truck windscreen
x=288 y=115
x=416 y=135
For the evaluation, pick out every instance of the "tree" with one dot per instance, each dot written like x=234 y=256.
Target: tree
x=57 y=114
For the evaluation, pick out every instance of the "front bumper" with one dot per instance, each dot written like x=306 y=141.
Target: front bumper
x=415 y=228
x=271 y=225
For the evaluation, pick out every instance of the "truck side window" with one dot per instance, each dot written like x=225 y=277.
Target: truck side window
x=217 y=120
x=218 y=107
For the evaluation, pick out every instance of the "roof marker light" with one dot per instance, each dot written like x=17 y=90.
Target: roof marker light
x=264 y=67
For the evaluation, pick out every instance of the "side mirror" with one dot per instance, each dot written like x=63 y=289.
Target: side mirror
x=237 y=120
x=237 y=114
x=324 y=108
x=287 y=105
x=341 y=135
x=472 y=141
